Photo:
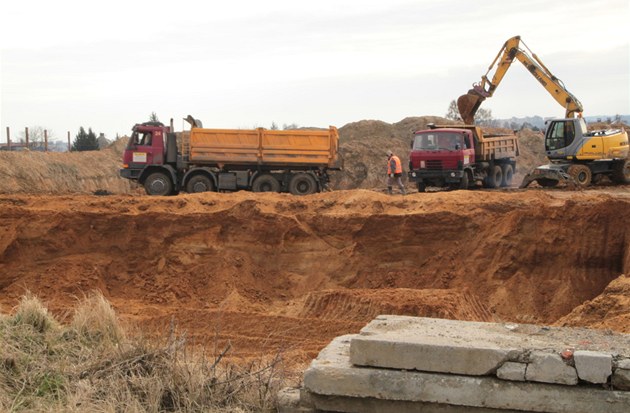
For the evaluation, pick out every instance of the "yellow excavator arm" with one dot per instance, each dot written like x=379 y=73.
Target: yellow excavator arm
x=469 y=103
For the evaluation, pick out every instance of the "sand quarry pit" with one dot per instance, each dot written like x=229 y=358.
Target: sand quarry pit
x=271 y=272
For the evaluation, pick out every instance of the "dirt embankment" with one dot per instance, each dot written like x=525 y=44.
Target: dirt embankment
x=272 y=270
x=33 y=172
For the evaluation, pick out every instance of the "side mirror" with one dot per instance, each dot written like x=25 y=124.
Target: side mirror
x=411 y=144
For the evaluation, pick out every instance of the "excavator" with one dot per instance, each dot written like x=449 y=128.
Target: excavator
x=576 y=156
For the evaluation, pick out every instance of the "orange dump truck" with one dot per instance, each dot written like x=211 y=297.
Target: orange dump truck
x=260 y=160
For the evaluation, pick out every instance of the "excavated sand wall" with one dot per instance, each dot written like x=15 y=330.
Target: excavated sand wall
x=296 y=272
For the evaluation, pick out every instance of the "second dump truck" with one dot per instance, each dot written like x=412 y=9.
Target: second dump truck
x=460 y=157
x=260 y=160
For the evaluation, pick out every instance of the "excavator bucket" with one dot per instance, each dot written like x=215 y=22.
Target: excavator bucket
x=467 y=105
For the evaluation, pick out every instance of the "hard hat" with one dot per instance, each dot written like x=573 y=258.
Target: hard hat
x=389 y=153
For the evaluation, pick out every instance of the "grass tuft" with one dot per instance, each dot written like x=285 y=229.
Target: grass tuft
x=95 y=321
x=30 y=311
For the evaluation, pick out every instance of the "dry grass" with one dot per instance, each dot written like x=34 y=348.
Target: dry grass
x=91 y=364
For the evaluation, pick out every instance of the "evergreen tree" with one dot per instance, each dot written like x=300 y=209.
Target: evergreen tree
x=154 y=117
x=85 y=141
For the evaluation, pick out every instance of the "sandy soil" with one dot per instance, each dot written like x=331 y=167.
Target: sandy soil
x=274 y=271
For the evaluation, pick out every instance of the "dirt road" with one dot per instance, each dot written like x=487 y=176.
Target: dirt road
x=269 y=271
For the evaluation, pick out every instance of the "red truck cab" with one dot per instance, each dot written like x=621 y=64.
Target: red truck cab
x=439 y=157
x=147 y=155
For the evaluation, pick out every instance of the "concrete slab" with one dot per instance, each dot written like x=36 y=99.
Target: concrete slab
x=512 y=371
x=593 y=366
x=372 y=405
x=548 y=367
x=333 y=374
x=469 y=348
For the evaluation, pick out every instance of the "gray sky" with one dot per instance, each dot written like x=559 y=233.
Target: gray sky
x=243 y=64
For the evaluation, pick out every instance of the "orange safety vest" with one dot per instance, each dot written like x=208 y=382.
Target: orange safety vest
x=398 y=165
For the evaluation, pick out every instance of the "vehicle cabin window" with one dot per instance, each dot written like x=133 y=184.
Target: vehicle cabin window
x=435 y=141
x=561 y=135
x=146 y=139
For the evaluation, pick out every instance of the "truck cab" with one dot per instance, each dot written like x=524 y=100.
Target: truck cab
x=440 y=157
x=151 y=153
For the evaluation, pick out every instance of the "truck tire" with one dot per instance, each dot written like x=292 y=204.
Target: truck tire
x=508 y=174
x=621 y=172
x=422 y=187
x=158 y=183
x=199 y=183
x=266 y=183
x=581 y=174
x=302 y=184
x=495 y=177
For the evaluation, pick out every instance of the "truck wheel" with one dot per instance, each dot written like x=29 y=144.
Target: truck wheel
x=463 y=184
x=495 y=177
x=581 y=174
x=266 y=183
x=302 y=184
x=508 y=174
x=158 y=183
x=621 y=172
x=199 y=183
x=422 y=187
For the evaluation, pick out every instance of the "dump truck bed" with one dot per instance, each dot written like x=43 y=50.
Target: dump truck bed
x=316 y=148
x=497 y=147
x=489 y=146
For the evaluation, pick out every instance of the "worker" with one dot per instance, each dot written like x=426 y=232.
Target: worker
x=394 y=170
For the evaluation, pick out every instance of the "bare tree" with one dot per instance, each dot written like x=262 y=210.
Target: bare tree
x=453 y=112
x=36 y=136
x=482 y=117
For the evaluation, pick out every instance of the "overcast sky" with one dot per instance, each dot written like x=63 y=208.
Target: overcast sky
x=242 y=64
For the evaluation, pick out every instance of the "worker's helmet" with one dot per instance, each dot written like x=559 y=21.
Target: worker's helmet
x=390 y=153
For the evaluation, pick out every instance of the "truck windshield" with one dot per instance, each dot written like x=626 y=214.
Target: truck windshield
x=434 y=141
x=139 y=139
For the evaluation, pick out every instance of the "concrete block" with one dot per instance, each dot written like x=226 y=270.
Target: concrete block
x=623 y=364
x=593 y=366
x=289 y=401
x=464 y=347
x=332 y=374
x=621 y=376
x=547 y=367
x=621 y=379
x=512 y=371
